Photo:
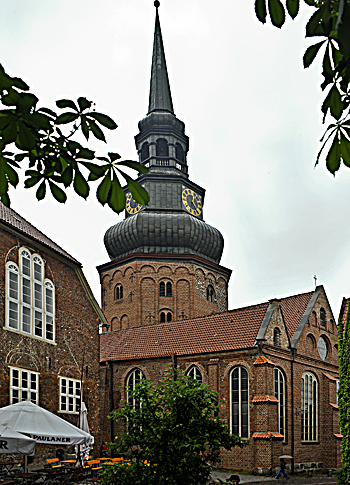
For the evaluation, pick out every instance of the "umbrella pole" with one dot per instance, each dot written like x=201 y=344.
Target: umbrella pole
x=25 y=464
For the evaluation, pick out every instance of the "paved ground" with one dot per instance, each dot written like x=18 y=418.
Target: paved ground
x=296 y=480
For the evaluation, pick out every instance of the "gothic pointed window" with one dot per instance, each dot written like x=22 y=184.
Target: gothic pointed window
x=30 y=297
x=162 y=149
x=145 y=151
x=279 y=389
x=195 y=374
x=309 y=389
x=239 y=388
x=133 y=380
x=179 y=153
x=323 y=317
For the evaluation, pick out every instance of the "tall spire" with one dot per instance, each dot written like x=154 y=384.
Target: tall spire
x=160 y=95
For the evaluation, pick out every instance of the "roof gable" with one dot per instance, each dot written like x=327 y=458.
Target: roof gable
x=274 y=322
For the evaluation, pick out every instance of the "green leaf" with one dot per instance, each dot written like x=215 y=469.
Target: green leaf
x=293 y=7
x=260 y=10
x=38 y=121
x=48 y=111
x=336 y=55
x=9 y=133
x=104 y=120
x=311 y=52
x=26 y=102
x=11 y=98
x=139 y=194
x=96 y=130
x=333 y=156
x=103 y=189
x=7 y=81
x=334 y=102
x=5 y=199
x=326 y=64
x=345 y=150
x=57 y=193
x=84 y=103
x=86 y=154
x=95 y=169
x=41 y=192
x=114 y=156
x=26 y=138
x=30 y=182
x=117 y=199
x=66 y=118
x=314 y=26
x=66 y=103
x=84 y=127
x=12 y=175
x=80 y=185
x=67 y=176
x=134 y=165
x=277 y=13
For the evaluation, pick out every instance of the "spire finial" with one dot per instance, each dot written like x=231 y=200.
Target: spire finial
x=156 y=3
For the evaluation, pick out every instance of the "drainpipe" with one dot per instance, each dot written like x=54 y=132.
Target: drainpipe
x=111 y=397
x=292 y=405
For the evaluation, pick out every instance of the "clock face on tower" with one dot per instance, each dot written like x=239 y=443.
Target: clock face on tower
x=131 y=206
x=191 y=201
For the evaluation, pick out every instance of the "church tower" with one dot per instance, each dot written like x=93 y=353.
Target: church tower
x=164 y=258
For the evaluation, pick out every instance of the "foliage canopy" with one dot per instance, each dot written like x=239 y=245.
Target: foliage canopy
x=331 y=22
x=46 y=142
x=173 y=435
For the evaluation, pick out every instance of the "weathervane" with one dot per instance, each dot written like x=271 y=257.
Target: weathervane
x=315 y=278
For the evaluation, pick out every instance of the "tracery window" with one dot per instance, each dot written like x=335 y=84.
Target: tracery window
x=118 y=292
x=30 y=297
x=24 y=386
x=69 y=395
x=195 y=374
x=309 y=407
x=279 y=388
x=239 y=388
x=133 y=380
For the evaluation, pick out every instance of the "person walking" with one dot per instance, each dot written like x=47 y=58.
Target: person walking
x=282 y=469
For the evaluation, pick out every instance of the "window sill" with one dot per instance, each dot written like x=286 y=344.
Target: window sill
x=68 y=412
x=310 y=442
x=29 y=335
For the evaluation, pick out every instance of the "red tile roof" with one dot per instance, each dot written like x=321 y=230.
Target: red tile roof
x=329 y=376
x=337 y=435
x=293 y=308
x=267 y=435
x=335 y=406
x=11 y=218
x=261 y=360
x=234 y=329
x=265 y=398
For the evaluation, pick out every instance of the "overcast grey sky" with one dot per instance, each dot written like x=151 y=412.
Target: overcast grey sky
x=251 y=111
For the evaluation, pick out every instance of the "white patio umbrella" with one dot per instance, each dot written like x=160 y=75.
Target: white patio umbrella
x=13 y=442
x=41 y=425
x=83 y=449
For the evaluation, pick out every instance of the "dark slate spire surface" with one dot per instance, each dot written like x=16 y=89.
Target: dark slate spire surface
x=160 y=95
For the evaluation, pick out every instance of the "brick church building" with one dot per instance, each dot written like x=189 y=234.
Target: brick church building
x=164 y=294
x=49 y=352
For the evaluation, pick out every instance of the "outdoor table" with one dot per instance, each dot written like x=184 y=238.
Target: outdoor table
x=7 y=482
x=29 y=477
x=7 y=466
x=68 y=461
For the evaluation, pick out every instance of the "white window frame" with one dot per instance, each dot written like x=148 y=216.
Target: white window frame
x=32 y=311
x=134 y=378
x=69 y=395
x=195 y=374
x=237 y=429
x=280 y=393
x=309 y=407
x=25 y=383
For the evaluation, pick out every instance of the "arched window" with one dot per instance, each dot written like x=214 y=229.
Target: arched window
x=30 y=297
x=210 y=294
x=280 y=395
x=165 y=317
x=308 y=407
x=162 y=149
x=277 y=337
x=165 y=289
x=133 y=380
x=239 y=402
x=179 y=153
x=323 y=317
x=118 y=292
x=145 y=151
x=314 y=319
x=195 y=374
